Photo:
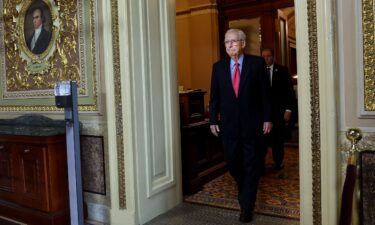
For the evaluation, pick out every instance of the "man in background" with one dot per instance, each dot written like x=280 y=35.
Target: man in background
x=39 y=40
x=283 y=100
x=240 y=111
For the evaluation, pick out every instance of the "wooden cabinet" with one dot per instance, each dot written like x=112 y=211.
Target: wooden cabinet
x=202 y=156
x=192 y=107
x=7 y=173
x=33 y=179
x=202 y=153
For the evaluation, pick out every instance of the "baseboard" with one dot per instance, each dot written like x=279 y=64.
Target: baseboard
x=91 y=222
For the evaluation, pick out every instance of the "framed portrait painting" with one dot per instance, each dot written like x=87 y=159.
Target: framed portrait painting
x=43 y=42
x=37 y=28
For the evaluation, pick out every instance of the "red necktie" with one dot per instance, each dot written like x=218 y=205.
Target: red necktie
x=236 y=79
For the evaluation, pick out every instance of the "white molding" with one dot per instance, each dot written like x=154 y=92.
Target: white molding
x=99 y=213
x=363 y=129
x=327 y=52
x=304 y=112
x=341 y=72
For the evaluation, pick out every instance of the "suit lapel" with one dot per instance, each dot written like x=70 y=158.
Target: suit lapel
x=228 y=74
x=275 y=75
x=244 y=73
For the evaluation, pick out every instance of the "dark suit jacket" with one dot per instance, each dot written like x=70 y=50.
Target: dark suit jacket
x=246 y=114
x=282 y=92
x=42 y=43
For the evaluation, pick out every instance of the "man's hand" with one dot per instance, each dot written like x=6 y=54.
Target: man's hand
x=287 y=116
x=267 y=127
x=215 y=130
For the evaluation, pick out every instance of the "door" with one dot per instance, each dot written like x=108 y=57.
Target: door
x=7 y=172
x=33 y=177
x=153 y=109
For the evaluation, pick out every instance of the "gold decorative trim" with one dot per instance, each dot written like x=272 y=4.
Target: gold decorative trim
x=118 y=100
x=368 y=54
x=45 y=108
x=93 y=107
x=315 y=115
x=22 y=80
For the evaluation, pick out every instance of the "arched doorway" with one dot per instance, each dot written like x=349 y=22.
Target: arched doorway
x=314 y=186
x=310 y=115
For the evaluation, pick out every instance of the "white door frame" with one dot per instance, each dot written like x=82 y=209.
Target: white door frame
x=141 y=29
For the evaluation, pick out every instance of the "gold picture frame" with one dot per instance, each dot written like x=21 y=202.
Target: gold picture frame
x=368 y=10
x=28 y=70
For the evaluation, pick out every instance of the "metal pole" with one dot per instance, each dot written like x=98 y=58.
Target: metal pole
x=74 y=159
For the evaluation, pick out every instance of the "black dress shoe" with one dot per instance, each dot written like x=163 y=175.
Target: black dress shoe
x=246 y=217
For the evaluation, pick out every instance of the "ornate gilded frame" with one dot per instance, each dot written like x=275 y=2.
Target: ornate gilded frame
x=315 y=114
x=27 y=79
x=118 y=110
x=368 y=32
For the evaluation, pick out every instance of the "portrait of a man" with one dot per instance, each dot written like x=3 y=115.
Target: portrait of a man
x=39 y=32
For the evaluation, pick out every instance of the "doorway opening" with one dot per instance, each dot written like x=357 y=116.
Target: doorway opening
x=205 y=180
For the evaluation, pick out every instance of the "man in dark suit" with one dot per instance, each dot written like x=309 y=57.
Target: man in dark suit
x=283 y=100
x=240 y=111
x=39 y=40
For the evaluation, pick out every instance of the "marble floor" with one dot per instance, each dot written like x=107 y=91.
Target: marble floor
x=193 y=214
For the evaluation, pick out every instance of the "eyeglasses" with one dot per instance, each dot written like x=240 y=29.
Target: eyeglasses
x=229 y=42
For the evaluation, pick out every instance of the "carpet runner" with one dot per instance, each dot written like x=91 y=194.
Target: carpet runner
x=278 y=192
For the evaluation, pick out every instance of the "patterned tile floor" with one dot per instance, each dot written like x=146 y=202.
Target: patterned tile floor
x=193 y=214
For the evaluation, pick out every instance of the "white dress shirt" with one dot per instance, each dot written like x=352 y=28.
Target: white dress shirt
x=37 y=32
